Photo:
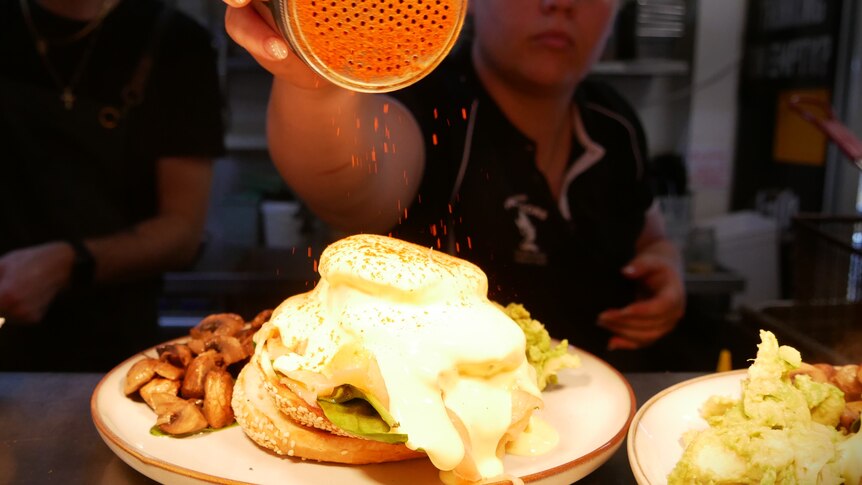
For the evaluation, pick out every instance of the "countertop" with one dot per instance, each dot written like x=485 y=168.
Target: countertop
x=47 y=434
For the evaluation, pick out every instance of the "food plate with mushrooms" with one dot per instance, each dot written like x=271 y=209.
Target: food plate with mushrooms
x=591 y=409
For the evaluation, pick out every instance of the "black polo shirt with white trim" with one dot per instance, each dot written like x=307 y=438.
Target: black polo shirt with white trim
x=483 y=198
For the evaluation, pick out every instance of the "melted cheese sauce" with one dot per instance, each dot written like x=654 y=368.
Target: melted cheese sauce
x=538 y=438
x=441 y=346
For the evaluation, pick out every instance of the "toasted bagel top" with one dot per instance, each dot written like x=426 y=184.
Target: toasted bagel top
x=392 y=268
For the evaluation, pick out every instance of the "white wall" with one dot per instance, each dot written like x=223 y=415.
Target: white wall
x=695 y=114
x=713 y=108
x=662 y=106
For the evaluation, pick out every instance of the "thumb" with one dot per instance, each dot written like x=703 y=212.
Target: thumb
x=621 y=343
x=636 y=268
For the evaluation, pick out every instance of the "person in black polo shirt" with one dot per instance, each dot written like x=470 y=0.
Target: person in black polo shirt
x=504 y=156
x=110 y=115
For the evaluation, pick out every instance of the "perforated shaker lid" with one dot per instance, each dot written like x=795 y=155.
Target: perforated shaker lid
x=371 y=45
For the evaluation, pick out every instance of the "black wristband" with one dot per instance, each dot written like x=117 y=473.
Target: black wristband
x=84 y=266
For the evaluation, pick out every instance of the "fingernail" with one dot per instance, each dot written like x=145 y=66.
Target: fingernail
x=276 y=48
x=629 y=270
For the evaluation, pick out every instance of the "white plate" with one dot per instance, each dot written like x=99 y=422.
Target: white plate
x=654 y=443
x=591 y=408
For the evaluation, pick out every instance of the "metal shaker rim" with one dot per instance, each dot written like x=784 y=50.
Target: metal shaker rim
x=370 y=45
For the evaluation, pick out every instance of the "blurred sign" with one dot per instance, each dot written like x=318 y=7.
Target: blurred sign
x=797 y=140
x=790 y=48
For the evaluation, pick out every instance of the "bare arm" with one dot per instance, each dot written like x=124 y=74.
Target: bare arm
x=653 y=238
x=657 y=266
x=31 y=277
x=355 y=159
x=168 y=240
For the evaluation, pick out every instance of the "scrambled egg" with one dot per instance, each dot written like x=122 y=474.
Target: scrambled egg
x=781 y=431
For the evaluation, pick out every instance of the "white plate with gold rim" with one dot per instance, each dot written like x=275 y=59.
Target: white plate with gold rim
x=654 y=440
x=591 y=409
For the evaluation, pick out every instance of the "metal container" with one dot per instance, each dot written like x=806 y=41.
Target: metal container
x=369 y=45
x=827 y=259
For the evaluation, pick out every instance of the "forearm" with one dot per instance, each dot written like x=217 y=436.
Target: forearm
x=168 y=240
x=664 y=249
x=148 y=249
x=355 y=159
x=653 y=239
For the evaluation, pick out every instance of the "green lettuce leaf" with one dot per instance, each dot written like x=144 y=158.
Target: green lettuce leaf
x=361 y=414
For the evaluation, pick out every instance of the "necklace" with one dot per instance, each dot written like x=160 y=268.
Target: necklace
x=67 y=89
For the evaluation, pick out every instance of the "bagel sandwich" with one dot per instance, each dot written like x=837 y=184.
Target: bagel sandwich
x=397 y=353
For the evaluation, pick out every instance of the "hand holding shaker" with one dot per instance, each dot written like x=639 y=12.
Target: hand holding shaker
x=368 y=45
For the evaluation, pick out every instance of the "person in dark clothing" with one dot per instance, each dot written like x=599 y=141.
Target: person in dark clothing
x=505 y=156
x=110 y=116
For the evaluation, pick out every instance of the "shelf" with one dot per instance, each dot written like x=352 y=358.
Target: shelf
x=245 y=142
x=642 y=67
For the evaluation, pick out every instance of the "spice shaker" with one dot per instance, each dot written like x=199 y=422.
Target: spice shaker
x=368 y=45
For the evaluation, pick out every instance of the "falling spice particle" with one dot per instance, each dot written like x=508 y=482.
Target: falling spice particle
x=434 y=138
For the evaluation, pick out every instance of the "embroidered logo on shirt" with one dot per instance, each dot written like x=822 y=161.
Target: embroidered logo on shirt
x=527 y=252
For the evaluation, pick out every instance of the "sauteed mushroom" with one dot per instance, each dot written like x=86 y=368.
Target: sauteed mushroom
x=219 y=391
x=197 y=346
x=218 y=324
x=816 y=373
x=194 y=381
x=850 y=415
x=179 y=355
x=846 y=380
x=169 y=371
x=158 y=385
x=260 y=319
x=139 y=374
x=230 y=348
x=178 y=416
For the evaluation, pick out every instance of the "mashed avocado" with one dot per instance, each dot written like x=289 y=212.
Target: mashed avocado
x=781 y=431
x=545 y=357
